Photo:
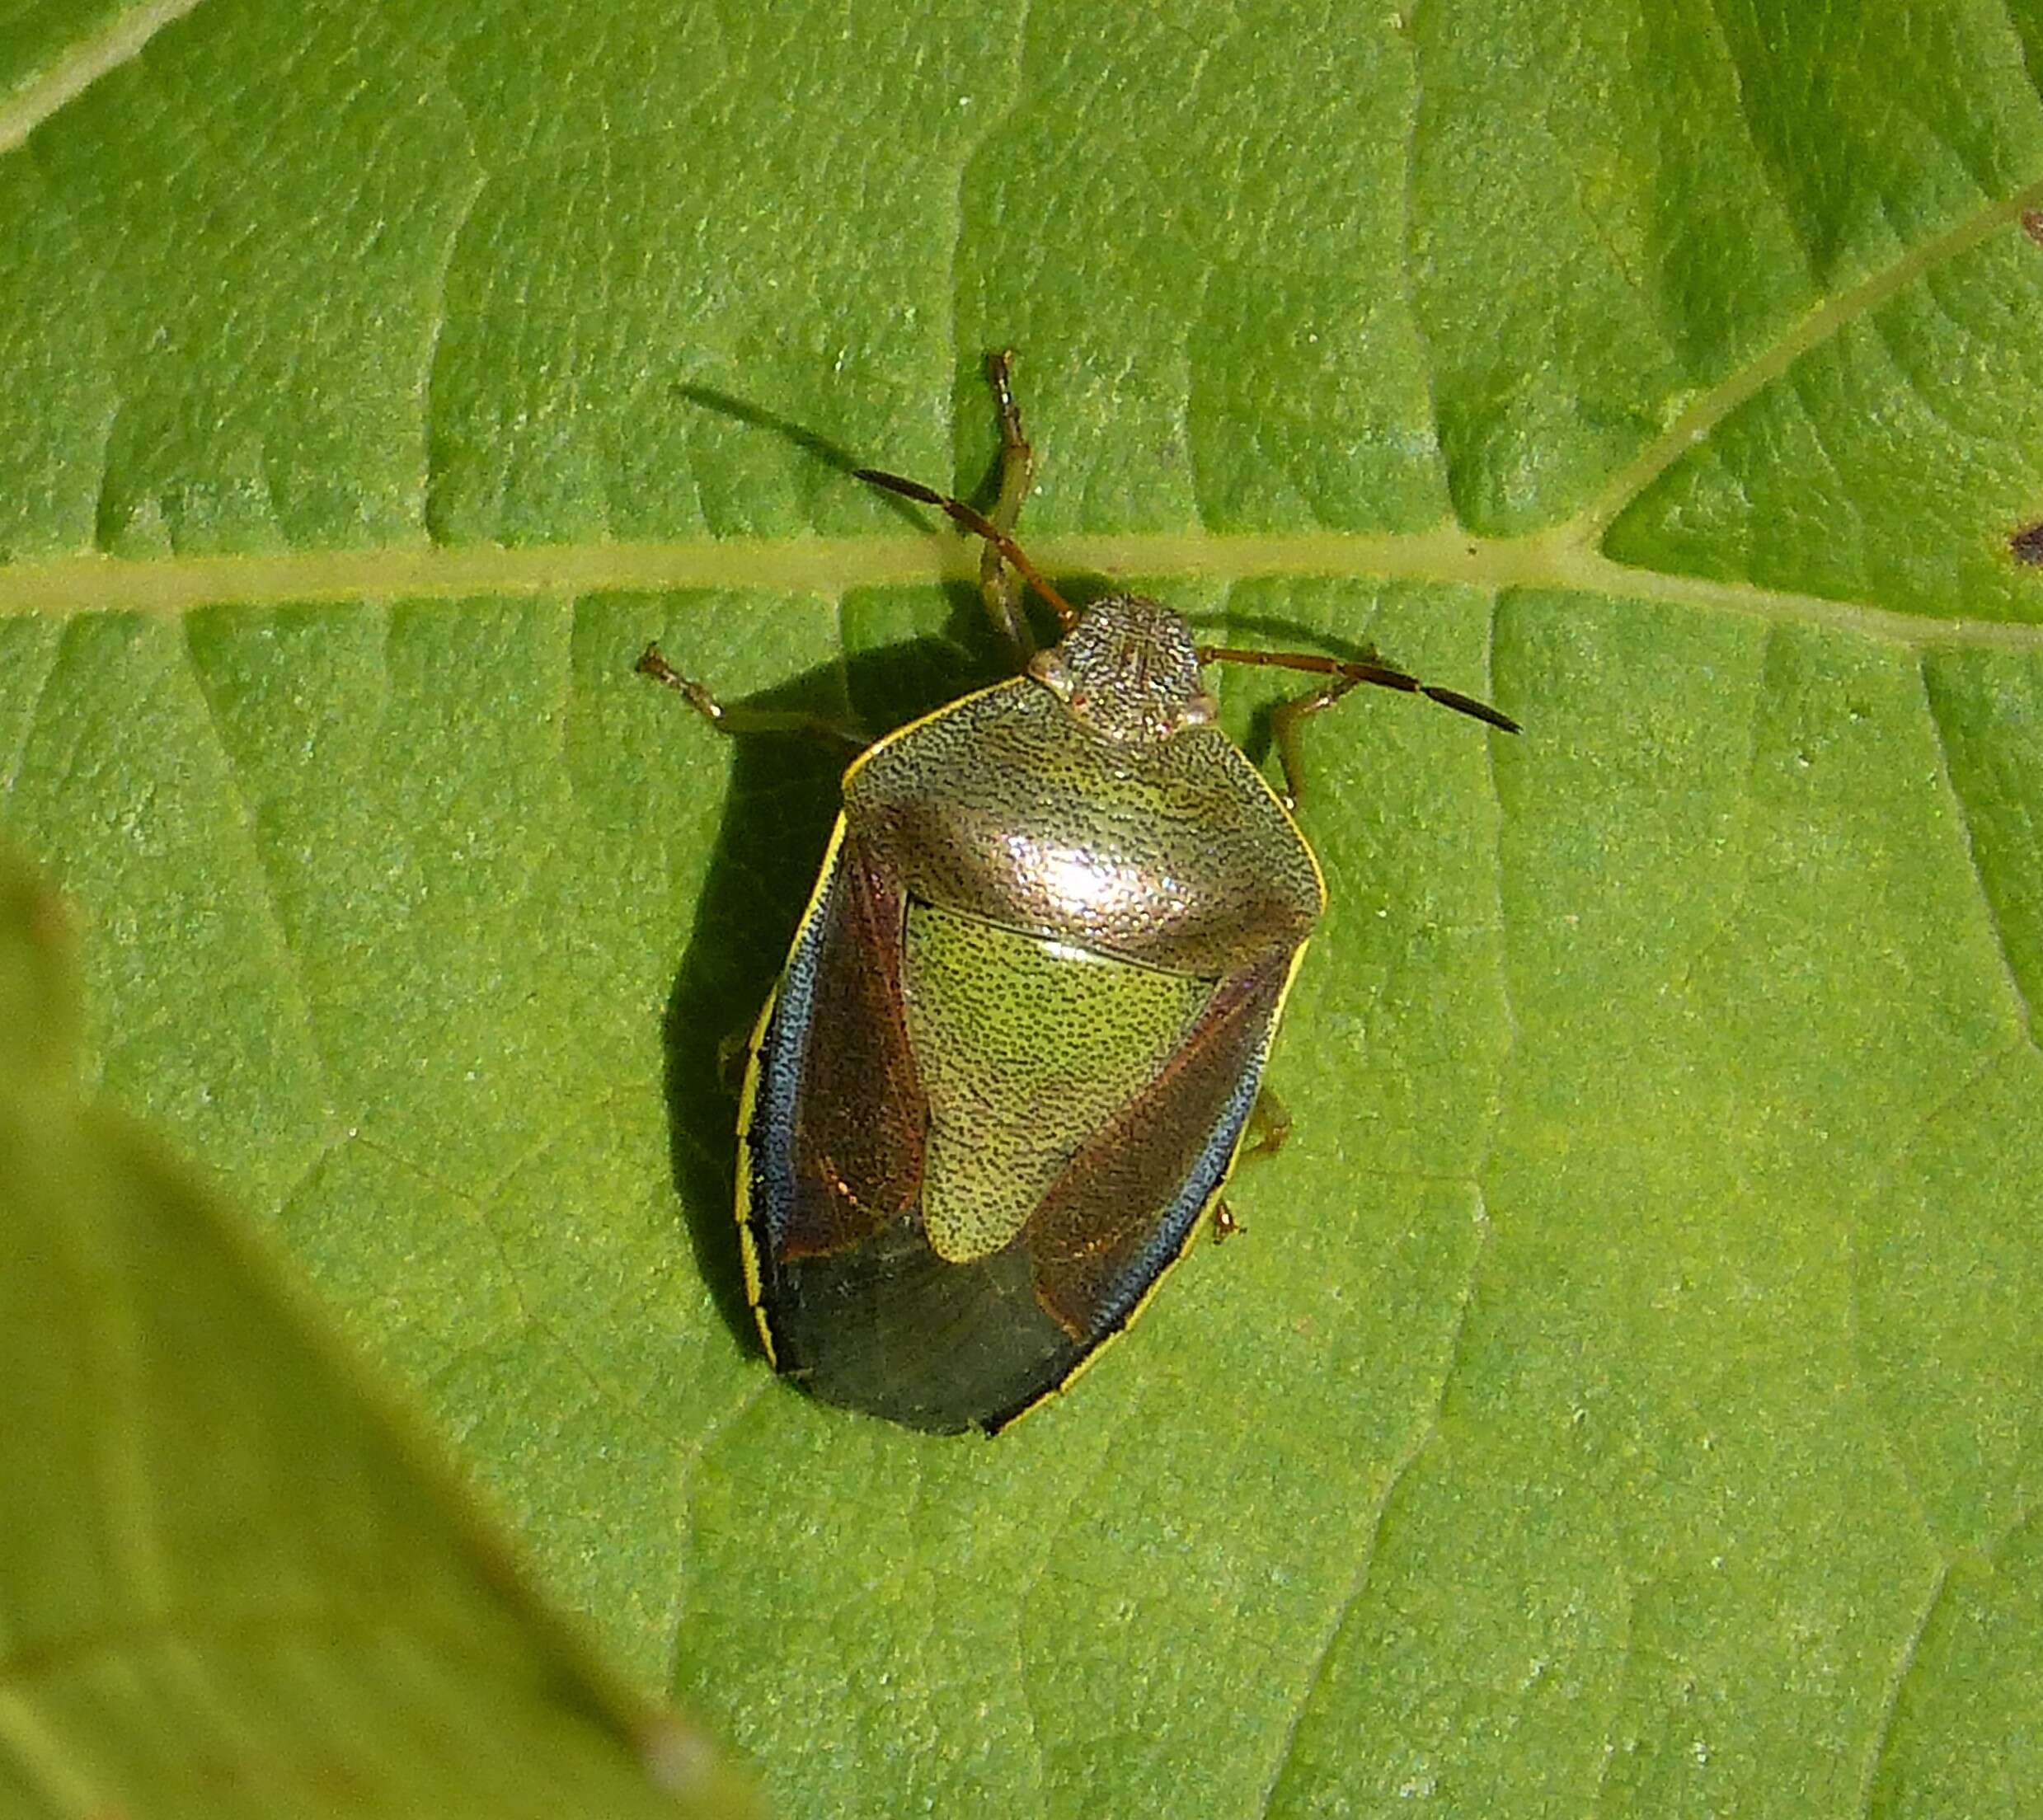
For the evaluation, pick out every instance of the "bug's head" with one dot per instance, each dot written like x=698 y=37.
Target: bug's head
x=1129 y=670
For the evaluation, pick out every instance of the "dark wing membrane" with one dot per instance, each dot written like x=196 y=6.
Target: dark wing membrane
x=839 y=1117
x=891 y=1328
x=1124 y=1208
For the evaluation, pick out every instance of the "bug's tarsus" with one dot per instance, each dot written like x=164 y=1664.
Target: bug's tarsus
x=652 y=662
x=1000 y=371
x=1270 y=1125
x=1285 y=722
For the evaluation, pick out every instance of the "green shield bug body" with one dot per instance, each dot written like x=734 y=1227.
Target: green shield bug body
x=1022 y=1031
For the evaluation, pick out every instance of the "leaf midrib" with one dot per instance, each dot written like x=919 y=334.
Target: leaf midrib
x=1563 y=557
x=1558 y=558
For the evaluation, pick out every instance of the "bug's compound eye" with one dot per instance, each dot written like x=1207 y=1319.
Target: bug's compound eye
x=1050 y=669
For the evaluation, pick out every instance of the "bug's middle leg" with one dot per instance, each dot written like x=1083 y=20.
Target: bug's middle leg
x=739 y=718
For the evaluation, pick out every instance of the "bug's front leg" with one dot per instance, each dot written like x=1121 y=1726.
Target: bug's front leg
x=737 y=718
x=999 y=583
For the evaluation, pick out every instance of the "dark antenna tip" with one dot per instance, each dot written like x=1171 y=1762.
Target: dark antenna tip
x=1469 y=705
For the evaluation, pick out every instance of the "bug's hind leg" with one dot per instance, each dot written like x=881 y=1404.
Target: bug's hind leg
x=740 y=718
x=1268 y=1125
x=999 y=585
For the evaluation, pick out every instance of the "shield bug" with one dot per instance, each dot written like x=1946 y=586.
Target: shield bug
x=1022 y=1031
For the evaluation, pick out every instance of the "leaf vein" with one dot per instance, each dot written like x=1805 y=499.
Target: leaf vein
x=297 y=984
x=1820 y=325
x=2024 y=1012
x=1904 y=1665
x=61 y=84
x=1321 y=1664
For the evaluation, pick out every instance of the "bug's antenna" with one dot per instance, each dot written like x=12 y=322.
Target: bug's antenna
x=980 y=525
x=1381 y=674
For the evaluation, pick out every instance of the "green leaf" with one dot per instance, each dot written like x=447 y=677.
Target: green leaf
x=232 y=1582
x=1627 y=1397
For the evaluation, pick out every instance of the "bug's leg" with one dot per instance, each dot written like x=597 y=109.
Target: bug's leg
x=1001 y=585
x=1284 y=723
x=741 y=718
x=734 y=1054
x=1343 y=674
x=1269 y=1123
x=980 y=526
